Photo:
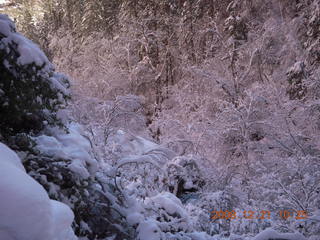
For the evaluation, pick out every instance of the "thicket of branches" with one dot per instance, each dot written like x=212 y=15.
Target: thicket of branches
x=236 y=82
x=148 y=37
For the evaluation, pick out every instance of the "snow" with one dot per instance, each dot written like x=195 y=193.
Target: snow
x=188 y=184
x=315 y=216
x=26 y=211
x=134 y=215
x=10 y=157
x=131 y=144
x=3 y=1
x=148 y=230
x=170 y=203
x=72 y=146
x=56 y=82
x=199 y=236
x=130 y=149
x=296 y=69
x=29 y=52
x=272 y=234
x=138 y=159
x=134 y=218
x=6 y=25
x=62 y=220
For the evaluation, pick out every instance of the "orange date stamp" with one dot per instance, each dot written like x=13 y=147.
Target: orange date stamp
x=261 y=214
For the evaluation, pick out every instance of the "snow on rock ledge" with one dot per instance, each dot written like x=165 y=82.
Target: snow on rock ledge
x=26 y=211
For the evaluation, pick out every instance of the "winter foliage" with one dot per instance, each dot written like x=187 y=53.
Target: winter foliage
x=31 y=92
x=178 y=110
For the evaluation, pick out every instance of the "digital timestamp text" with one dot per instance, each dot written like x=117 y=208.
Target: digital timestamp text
x=262 y=214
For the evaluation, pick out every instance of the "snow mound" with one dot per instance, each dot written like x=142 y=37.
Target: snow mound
x=272 y=234
x=149 y=230
x=72 y=146
x=26 y=211
x=10 y=157
x=170 y=203
x=62 y=220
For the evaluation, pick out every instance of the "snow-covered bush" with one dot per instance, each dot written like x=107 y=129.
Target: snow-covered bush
x=184 y=175
x=71 y=146
x=233 y=83
x=143 y=159
x=55 y=150
x=66 y=165
x=170 y=217
x=163 y=217
x=30 y=91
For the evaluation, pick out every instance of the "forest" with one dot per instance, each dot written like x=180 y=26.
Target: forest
x=160 y=120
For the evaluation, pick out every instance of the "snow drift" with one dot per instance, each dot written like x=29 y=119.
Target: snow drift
x=26 y=211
